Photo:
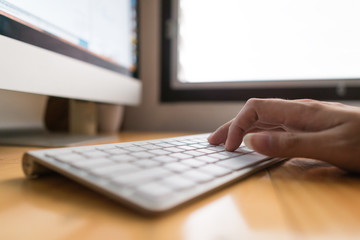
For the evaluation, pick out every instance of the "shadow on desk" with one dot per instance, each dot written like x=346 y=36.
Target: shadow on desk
x=313 y=170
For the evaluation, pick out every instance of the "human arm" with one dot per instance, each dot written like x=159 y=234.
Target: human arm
x=296 y=128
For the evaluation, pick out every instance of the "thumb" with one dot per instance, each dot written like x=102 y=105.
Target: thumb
x=284 y=144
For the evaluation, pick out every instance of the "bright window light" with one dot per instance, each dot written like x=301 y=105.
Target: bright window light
x=247 y=40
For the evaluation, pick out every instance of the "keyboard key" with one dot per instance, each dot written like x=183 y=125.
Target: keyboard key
x=194 y=153
x=147 y=163
x=230 y=154
x=142 y=154
x=218 y=156
x=188 y=141
x=84 y=149
x=155 y=141
x=187 y=147
x=207 y=159
x=150 y=146
x=125 y=145
x=68 y=158
x=114 y=170
x=122 y=158
x=174 y=149
x=215 y=170
x=135 y=149
x=54 y=154
x=204 y=143
x=116 y=151
x=95 y=154
x=252 y=157
x=236 y=163
x=243 y=150
x=164 y=159
x=177 y=167
x=198 y=176
x=207 y=151
x=159 y=152
x=177 y=182
x=177 y=143
x=141 y=176
x=164 y=145
x=193 y=162
x=92 y=163
x=179 y=155
x=198 y=146
x=105 y=147
x=217 y=148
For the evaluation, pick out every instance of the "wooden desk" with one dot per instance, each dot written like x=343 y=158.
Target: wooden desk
x=301 y=199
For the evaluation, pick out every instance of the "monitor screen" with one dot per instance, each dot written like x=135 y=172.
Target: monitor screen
x=83 y=49
x=99 y=32
x=236 y=49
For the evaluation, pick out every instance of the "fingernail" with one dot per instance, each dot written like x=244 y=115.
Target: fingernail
x=259 y=142
x=209 y=139
x=227 y=148
x=210 y=135
x=247 y=141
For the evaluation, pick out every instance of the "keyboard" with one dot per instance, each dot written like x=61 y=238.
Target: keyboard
x=151 y=176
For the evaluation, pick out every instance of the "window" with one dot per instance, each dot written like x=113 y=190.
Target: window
x=236 y=49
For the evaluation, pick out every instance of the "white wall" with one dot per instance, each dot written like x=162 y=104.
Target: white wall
x=152 y=115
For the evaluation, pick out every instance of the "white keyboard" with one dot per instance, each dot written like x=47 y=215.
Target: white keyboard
x=151 y=176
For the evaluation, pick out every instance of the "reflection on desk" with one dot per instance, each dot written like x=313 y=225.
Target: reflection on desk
x=300 y=199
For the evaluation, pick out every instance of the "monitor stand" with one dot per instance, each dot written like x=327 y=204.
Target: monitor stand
x=22 y=124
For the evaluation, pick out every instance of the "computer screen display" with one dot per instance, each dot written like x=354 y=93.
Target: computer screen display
x=260 y=49
x=99 y=32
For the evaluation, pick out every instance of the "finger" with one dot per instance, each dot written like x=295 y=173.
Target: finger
x=243 y=122
x=293 y=114
x=289 y=114
x=220 y=134
x=289 y=144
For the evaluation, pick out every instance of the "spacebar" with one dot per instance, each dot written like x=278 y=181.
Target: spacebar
x=242 y=161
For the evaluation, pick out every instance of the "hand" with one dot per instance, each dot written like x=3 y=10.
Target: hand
x=296 y=128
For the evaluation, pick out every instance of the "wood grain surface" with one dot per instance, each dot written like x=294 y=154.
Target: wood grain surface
x=300 y=199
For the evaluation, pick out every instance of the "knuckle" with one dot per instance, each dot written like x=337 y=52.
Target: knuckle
x=253 y=101
x=312 y=108
x=314 y=105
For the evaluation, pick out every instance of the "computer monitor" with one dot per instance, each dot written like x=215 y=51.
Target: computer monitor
x=234 y=50
x=85 y=50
